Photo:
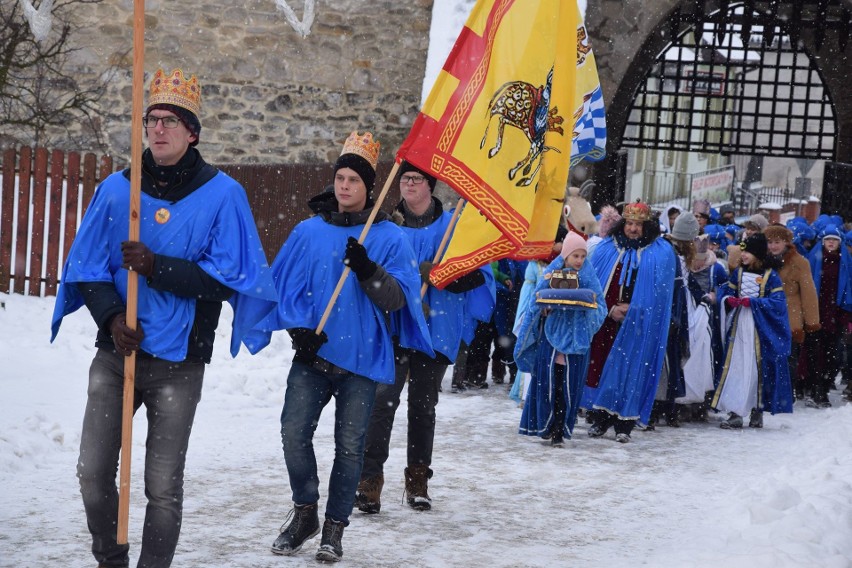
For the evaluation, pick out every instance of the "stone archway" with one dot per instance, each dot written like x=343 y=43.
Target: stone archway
x=652 y=25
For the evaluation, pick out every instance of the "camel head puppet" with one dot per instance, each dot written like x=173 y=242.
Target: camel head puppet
x=578 y=213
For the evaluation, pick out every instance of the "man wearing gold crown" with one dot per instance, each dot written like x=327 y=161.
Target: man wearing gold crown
x=198 y=247
x=355 y=350
x=637 y=270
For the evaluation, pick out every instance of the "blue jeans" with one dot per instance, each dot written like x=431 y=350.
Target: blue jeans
x=170 y=393
x=308 y=391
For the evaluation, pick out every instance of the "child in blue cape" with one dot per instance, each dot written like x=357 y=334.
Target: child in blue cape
x=553 y=346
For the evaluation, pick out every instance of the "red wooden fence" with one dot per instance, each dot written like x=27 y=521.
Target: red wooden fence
x=42 y=192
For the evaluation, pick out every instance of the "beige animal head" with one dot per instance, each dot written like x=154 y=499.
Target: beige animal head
x=578 y=212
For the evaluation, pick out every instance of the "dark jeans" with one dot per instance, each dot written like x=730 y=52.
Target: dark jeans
x=308 y=391
x=424 y=375
x=170 y=393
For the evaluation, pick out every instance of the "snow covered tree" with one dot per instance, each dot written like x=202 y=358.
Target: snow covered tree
x=41 y=101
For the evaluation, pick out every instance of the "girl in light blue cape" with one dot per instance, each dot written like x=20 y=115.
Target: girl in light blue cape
x=553 y=346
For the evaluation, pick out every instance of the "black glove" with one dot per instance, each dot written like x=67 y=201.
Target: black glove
x=425 y=269
x=137 y=257
x=306 y=343
x=126 y=340
x=356 y=258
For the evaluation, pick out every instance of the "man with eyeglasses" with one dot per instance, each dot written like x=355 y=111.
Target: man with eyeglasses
x=198 y=247
x=424 y=222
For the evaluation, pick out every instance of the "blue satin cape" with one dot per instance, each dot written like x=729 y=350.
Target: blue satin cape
x=629 y=378
x=212 y=226
x=306 y=271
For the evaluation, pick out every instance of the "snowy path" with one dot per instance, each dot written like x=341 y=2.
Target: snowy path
x=694 y=496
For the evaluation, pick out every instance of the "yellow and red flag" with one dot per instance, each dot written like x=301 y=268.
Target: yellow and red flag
x=499 y=124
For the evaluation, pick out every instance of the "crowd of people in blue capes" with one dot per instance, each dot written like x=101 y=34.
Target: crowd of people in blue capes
x=738 y=282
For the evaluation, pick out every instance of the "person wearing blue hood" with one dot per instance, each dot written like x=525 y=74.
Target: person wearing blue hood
x=198 y=246
x=831 y=266
x=355 y=350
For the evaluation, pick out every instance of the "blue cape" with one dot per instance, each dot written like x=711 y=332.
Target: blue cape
x=306 y=271
x=844 y=283
x=630 y=374
x=212 y=226
x=775 y=393
x=448 y=321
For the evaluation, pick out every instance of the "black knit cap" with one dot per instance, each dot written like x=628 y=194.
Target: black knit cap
x=406 y=167
x=186 y=117
x=756 y=245
x=361 y=166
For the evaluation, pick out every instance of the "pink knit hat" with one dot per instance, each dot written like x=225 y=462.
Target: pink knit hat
x=572 y=242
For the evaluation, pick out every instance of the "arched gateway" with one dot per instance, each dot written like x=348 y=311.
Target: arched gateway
x=746 y=80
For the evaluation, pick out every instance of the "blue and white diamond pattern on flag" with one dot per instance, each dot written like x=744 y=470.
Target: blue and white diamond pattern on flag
x=590 y=130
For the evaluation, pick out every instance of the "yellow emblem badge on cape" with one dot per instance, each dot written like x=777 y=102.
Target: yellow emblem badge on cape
x=759 y=280
x=162 y=215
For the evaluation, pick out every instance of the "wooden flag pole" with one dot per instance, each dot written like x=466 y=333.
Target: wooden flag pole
x=440 y=252
x=361 y=238
x=132 y=277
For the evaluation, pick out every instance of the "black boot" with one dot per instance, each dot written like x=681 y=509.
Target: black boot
x=331 y=547
x=304 y=524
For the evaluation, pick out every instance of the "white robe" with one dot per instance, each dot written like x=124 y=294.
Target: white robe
x=739 y=391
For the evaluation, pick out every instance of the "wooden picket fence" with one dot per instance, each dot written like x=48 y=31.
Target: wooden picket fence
x=44 y=195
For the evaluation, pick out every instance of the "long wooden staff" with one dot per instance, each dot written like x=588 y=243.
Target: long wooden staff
x=132 y=277
x=361 y=238
x=440 y=252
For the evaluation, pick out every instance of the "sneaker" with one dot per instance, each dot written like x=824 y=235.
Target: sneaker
x=756 y=419
x=734 y=421
x=416 y=487
x=368 y=495
x=596 y=431
x=304 y=524
x=622 y=438
x=331 y=547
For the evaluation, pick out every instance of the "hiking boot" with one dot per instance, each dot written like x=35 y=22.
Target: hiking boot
x=756 y=419
x=734 y=421
x=416 y=486
x=622 y=438
x=368 y=495
x=331 y=547
x=304 y=524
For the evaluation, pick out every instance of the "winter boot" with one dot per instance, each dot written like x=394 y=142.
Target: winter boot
x=416 y=485
x=756 y=419
x=498 y=371
x=368 y=495
x=734 y=422
x=331 y=547
x=304 y=524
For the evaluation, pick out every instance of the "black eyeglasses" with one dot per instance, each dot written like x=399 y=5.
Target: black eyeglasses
x=416 y=180
x=151 y=121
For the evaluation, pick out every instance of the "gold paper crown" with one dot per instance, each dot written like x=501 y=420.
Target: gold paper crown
x=176 y=90
x=362 y=145
x=637 y=212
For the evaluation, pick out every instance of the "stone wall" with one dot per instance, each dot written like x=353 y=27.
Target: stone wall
x=269 y=95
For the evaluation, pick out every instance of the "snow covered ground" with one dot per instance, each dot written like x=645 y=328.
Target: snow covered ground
x=696 y=496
